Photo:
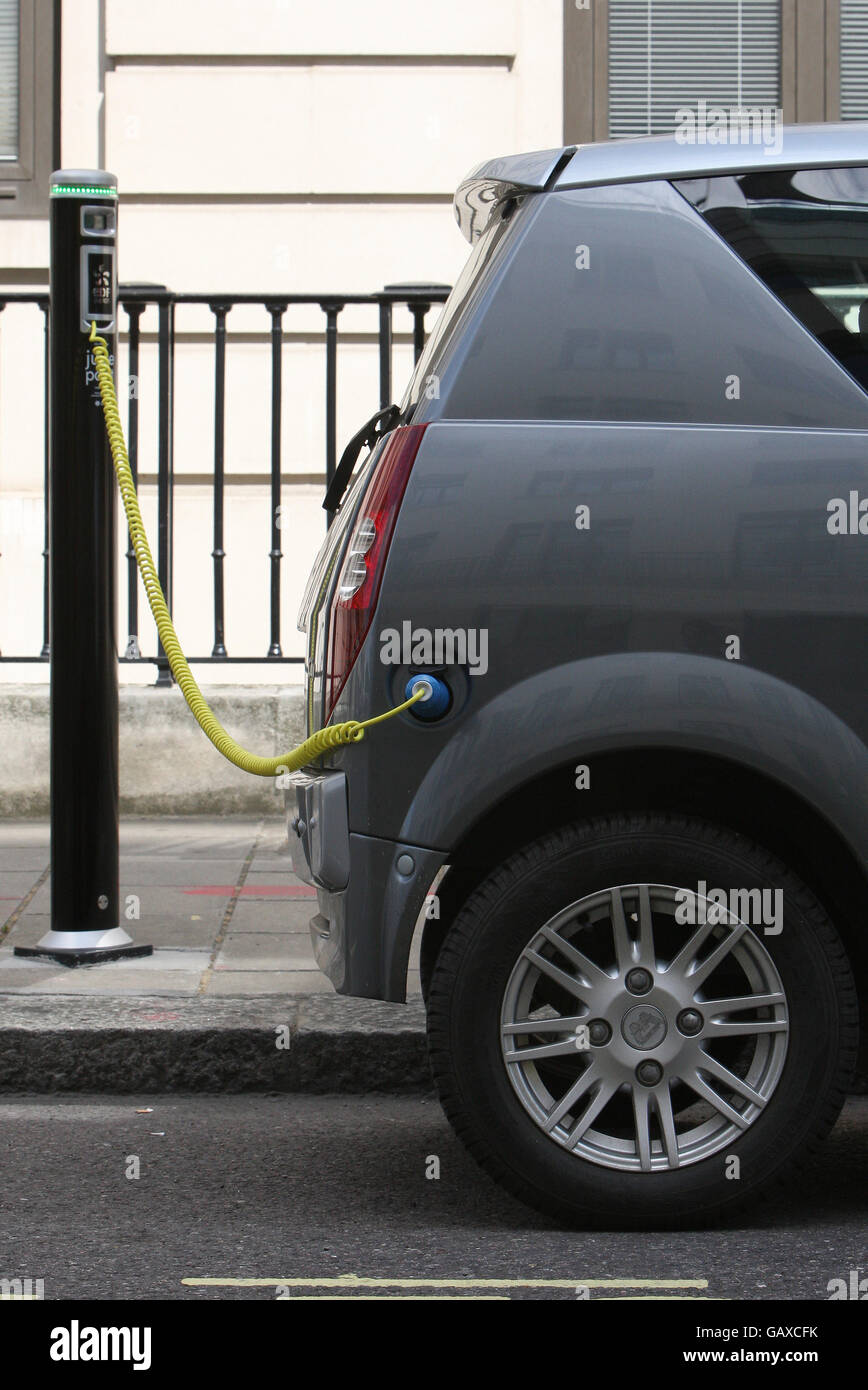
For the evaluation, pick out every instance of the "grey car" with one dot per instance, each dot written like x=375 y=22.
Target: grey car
x=617 y=535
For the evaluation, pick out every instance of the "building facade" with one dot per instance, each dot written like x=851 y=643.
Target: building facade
x=283 y=146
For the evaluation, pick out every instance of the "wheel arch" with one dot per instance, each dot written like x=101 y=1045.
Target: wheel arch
x=639 y=779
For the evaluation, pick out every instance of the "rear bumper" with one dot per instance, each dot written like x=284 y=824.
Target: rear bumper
x=369 y=891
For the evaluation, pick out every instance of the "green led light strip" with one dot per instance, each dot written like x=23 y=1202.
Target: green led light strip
x=77 y=190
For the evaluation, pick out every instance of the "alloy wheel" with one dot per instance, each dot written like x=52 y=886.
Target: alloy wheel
x=640 y=1043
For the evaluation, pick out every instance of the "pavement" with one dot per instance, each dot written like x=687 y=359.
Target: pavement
x=231 y=998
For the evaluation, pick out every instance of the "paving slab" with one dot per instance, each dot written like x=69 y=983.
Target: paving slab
x=267 y=951
x=15 y=883
x=191 y=872
x=25 y=833
x=23 y=858
x=225 y=981
x=283 y=915
x=163 y=972
x=179 y=835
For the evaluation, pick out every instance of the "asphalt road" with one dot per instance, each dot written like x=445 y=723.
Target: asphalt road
x=311 y=1188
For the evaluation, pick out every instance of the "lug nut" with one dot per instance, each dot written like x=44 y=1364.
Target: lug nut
x=690 y=1021
x=649 y=1072
x=599 y=1032
x=638 y=981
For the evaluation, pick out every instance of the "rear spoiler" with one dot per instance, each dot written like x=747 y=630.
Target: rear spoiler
x=490 y=183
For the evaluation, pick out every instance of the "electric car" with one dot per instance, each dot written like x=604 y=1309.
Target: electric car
x=616 y=534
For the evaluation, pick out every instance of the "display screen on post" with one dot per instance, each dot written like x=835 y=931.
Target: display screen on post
x=97 y=286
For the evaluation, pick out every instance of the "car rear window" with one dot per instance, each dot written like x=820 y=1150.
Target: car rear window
x=805 y=234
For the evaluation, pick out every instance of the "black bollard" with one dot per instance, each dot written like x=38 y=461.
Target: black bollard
x=85 y=912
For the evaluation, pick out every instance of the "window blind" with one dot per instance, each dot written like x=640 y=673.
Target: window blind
x=666 y=54
x=8 y=79
x=854 y=60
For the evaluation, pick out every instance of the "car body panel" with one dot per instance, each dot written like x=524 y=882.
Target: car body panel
x=677 y=558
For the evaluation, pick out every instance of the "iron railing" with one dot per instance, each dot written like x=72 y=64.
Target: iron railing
x=134 y=300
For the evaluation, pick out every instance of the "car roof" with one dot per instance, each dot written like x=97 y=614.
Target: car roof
x=830 y=145
x=673 y=156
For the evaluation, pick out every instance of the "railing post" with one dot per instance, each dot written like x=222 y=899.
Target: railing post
x=414 y=295
x=385 y=349
x=46 y=472
x=2 y=307
x=332 y=309
x=85 y=904
x=218 y=554
x=275 y=554
x=165 y=480
x=134 y=313
x=418 y=311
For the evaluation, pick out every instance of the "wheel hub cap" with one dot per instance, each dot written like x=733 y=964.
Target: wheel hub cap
x=643 y=1027
x=650 y=1081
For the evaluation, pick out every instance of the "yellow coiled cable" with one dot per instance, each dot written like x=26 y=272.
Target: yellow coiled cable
x=332 y=737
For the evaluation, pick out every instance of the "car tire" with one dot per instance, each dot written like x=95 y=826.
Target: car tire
x=691 y=1110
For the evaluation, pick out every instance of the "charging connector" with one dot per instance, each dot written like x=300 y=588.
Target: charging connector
x=435 y=700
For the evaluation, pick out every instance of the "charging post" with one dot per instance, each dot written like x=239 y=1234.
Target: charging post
x=85 y=898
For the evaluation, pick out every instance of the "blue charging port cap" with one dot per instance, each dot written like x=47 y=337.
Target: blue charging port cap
x=432 y=705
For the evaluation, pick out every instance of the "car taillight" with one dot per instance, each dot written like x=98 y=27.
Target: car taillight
x=358 y=586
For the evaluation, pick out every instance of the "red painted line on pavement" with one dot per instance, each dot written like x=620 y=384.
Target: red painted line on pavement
x=264 y=890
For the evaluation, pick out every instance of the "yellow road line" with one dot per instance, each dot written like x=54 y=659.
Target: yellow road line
x=356 y=1281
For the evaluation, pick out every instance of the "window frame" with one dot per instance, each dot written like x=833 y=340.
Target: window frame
x=809 y=65
x=24 y=182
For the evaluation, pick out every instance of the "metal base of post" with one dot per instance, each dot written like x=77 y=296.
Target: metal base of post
x=74 y=948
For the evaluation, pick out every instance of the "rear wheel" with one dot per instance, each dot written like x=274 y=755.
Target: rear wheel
x=618 y=1044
